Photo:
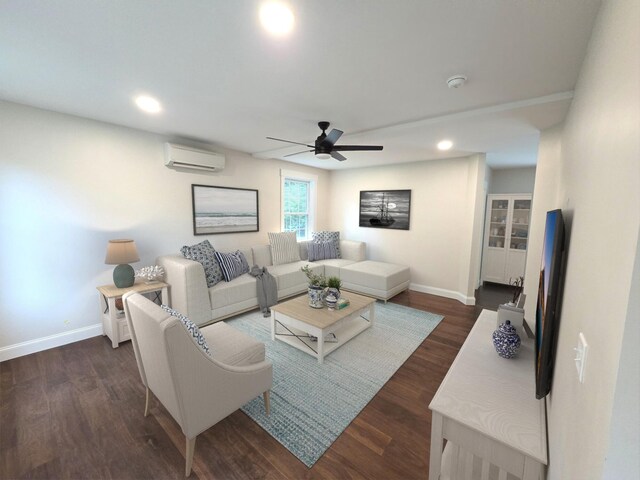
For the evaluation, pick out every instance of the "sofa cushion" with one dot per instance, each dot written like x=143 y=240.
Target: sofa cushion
x=376 y=275
x=204 y=253
x=237 y=290
x=233 y=347
x=284 y=247
x=262 y=255
x=322 y=251
x=333 y=237
x=332 y=266
x=232 y=264
x=289 y=275
x=190 y=327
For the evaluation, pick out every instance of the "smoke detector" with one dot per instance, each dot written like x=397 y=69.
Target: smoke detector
x=456 y=81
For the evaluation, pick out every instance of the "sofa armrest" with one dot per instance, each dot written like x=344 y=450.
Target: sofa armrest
x=188 y=290
x=353 y=250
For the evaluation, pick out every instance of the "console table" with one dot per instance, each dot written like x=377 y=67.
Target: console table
x=487 y=412
x=114 y=325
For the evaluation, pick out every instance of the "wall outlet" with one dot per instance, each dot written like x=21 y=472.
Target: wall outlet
x=581 y=356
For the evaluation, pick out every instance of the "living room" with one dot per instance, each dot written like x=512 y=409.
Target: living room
x=70 y=183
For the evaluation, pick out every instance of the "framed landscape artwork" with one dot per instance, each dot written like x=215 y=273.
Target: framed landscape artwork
x=385 y=209
x=224 y=210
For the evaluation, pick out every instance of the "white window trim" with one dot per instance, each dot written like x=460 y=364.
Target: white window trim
x=313 y=196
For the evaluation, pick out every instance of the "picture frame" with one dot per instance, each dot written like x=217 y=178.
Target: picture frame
x=390 y=209
x=219 y=210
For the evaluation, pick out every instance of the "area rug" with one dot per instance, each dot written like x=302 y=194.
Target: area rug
x=311 y=404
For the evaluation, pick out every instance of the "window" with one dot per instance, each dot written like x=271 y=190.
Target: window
x=298 y=203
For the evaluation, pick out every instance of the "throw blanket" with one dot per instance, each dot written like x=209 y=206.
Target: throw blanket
x=266 y=288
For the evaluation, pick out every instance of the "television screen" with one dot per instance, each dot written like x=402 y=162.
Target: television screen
x=548 y=301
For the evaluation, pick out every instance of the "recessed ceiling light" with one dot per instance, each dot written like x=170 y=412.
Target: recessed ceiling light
x=445 y=145
x=276 y=18
x=148 y=104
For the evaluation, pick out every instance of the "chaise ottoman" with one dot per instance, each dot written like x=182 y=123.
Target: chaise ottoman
x=375 y=279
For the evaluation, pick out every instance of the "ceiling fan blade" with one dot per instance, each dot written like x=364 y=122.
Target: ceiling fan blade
x=298 y=153
x=352 y=148
x=338 y=157
x=289 y=141
x=332 y=138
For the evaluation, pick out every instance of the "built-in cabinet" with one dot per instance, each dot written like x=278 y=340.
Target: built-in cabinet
x=506 y=237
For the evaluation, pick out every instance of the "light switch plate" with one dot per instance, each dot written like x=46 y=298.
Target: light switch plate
x=581 y=356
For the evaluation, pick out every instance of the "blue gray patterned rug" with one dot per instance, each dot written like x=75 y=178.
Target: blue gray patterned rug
x=312 y=404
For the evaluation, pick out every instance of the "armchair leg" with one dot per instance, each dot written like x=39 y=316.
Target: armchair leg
x=146 y=404
x=191 y=446
x=267 y=401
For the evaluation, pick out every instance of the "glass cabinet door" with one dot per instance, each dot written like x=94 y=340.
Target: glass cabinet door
x=498 y=224
x=520 y=224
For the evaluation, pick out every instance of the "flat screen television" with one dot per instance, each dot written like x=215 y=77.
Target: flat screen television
x=547 y=310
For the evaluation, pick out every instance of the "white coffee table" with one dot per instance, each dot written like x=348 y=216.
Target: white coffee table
x=294 y=321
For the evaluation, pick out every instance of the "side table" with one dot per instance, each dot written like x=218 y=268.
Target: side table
x=114 y=324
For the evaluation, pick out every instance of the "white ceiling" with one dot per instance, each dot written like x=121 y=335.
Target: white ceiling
x=375 y=69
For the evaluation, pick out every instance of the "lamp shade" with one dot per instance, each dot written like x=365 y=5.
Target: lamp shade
x=121 y=252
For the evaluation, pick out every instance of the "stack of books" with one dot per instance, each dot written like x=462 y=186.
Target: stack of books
x=342 y=303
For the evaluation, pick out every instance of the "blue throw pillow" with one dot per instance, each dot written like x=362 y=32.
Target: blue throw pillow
x=204 y=253
x=322 y=251
x=334 y=237
x=232 y=264
x=191 y=327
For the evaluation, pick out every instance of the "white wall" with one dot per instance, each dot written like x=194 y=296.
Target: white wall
x=512 y=180
x=595 y=175
x=545 y=198
x=444 y=237
x=623 y=457
x=68 y=185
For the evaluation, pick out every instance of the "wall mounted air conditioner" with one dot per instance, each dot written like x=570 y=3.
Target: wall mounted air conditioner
x=181 y=157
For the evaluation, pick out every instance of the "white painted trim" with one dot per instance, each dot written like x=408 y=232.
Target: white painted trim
x=52 y=341
x=441 y=292
x=313 y=196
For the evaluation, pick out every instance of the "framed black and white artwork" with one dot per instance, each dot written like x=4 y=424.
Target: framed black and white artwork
x=385 y=209
x=224 y=210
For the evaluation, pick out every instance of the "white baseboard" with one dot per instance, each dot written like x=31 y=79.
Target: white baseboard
x=441 y=292
x=52 y=341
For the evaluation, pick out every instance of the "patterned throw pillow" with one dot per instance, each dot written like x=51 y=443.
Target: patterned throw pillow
x=204 y=253
x=322 y=251
x=284 y=247
x=191 y=327
x=232 y=264
x=319 y=237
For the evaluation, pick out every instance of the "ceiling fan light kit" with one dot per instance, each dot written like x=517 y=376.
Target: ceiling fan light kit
x=325 y=145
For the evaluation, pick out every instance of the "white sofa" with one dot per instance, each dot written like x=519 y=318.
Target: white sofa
x=190 y=295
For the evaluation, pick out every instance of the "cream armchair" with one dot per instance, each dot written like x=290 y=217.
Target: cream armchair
x=198 y=390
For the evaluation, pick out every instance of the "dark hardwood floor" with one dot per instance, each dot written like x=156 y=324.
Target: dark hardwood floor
x=77 y=412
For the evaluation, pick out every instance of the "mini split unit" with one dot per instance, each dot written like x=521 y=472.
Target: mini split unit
x=180 y=157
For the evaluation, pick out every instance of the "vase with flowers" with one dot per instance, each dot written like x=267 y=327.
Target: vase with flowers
x=317 y=284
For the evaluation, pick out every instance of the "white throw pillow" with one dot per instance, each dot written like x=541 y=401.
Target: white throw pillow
x=284 y=247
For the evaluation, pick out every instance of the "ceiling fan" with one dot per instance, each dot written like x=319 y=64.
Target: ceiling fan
x=325 y=146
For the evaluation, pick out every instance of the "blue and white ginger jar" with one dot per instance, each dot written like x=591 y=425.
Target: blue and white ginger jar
x=506 y=340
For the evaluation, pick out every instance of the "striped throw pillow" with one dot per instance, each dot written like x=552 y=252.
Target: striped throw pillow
x=191 y=327
x=284 y=247
x=232 y=264
x=319 y=237
x=322 y=251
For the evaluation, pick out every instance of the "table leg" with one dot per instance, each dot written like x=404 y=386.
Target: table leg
x=435 y=457
x=273 y=325
x=165 y=296
x=321 y=347
x=113 y=319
